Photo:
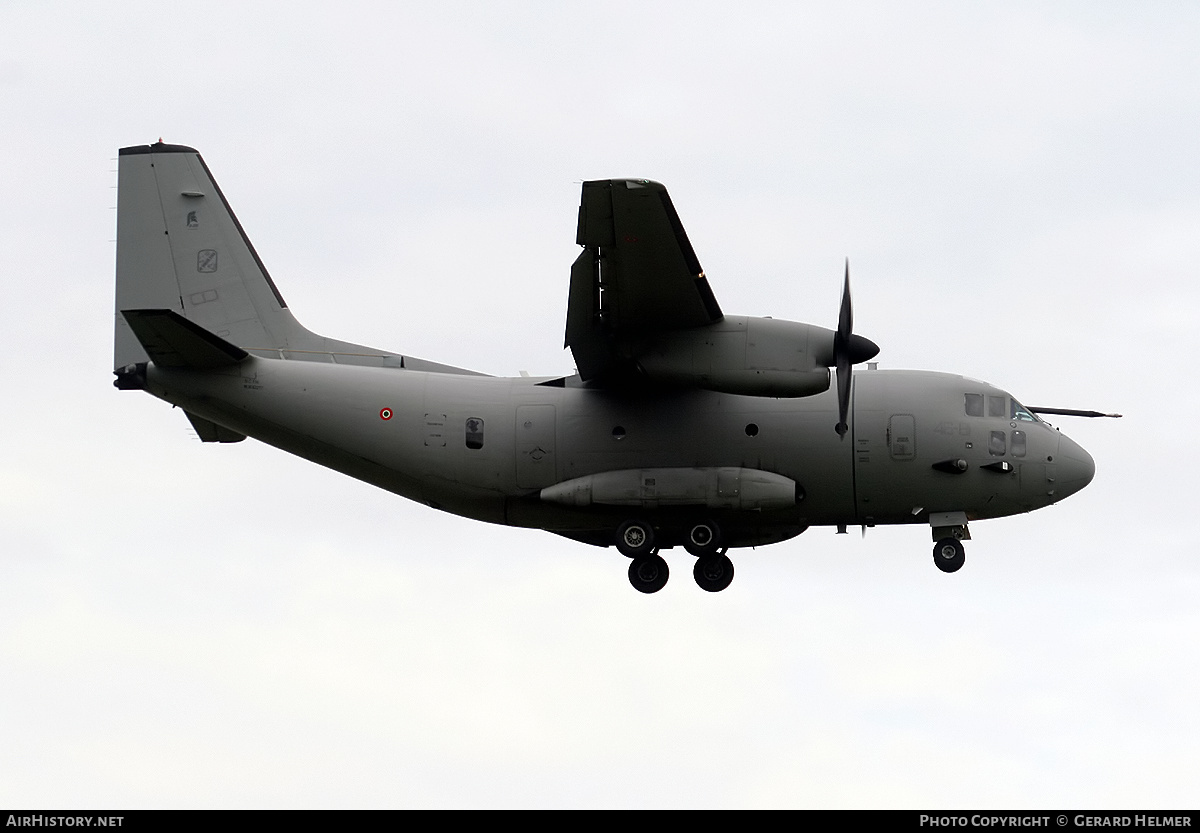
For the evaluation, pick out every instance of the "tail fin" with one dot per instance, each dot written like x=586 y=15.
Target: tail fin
x=180 y=248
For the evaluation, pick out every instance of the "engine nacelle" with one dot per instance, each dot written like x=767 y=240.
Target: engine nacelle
x=743 y=355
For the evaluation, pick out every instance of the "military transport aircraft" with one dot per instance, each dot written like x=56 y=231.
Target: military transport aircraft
x=682 y=426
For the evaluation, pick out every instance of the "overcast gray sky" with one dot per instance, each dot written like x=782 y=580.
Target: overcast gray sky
x=1017 y=187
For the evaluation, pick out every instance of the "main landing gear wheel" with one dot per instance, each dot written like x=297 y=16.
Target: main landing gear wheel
x=713 y=572
x=949 y=555
x=703 y=539
x=648 y=573
x=635 y=538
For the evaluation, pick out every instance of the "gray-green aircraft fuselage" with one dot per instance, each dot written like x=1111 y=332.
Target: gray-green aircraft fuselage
x=682 y=426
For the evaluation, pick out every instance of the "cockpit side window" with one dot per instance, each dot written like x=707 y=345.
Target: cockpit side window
x=974 y=404
x=997 y=406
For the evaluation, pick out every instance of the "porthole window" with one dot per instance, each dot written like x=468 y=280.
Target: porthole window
x=1019 y=444
x=474 y=432
x=996 y=443
x=751 y=429
x=618 y=432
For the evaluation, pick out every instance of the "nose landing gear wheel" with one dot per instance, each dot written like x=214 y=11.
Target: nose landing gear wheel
x=949 y=555
x=713 y=572
x=635 y=538
x=648 y=573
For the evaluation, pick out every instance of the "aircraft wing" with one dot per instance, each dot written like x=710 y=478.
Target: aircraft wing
x=637 y=277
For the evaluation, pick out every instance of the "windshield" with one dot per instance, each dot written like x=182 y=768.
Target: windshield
x=1022 y=414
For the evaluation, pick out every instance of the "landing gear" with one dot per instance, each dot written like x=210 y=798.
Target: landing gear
x=636 y=538
x=949 y=555
x=949 y=531
x=713 y=572
x=703 y=539
x=648 y=573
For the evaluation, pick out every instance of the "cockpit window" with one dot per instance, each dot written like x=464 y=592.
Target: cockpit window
x=998 y=406
x=1021 y=413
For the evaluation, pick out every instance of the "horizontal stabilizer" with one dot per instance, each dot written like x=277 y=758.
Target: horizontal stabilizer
x=170 y=340
x=210 y=432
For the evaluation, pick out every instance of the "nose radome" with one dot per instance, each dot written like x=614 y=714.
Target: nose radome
x=1076 y=468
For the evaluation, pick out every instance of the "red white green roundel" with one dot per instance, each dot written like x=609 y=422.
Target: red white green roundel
x=385 y=413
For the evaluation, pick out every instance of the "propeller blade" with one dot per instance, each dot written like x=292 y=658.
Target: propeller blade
x=846 y=314
x=847 y=349
x=843 y=385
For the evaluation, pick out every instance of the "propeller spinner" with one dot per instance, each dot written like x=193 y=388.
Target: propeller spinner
x=848 y=349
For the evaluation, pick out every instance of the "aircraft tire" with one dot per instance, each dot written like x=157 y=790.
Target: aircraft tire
x=635 y=538
x=713 y=572
x=648 y=573
x=949 y=555
x=703 y=539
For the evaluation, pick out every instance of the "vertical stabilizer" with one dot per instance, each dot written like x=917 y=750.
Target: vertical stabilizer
x=180 y=247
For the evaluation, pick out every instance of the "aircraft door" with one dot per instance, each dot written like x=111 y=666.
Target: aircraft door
x=884 y=456
x=536 y=461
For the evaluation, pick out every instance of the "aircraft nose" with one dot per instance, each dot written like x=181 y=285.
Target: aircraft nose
x=1076 y=468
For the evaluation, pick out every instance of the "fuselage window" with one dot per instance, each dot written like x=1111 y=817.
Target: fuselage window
x=996 y=443
x=997 y=407
x=1021 y=413
x=974 y=404
x=1018 y=443
x=474 y=432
